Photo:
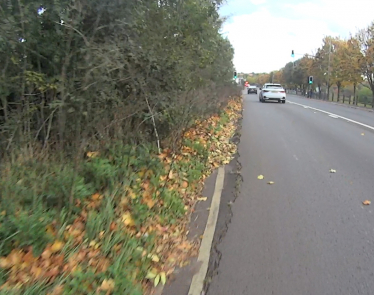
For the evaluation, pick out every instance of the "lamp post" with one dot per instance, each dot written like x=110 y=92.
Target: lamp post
x=328 y=73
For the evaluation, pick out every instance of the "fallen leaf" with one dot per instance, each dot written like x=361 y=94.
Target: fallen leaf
x=163 y=277
x=58 y=290
x=127 y=219
x=113 y=226
x=4 y=263
x=150 y=275
x=107 y=285
x=57 y=246
x=202 y=199
x=366 y=202
x=36 y=271
x=150 y=203
x=332 y=171
x=260 y=177
x=270 y=182
x=154 y=257
x=96 y=197
x=362 y=133
x=92 y=154
x=46 y=253
x=157 y=280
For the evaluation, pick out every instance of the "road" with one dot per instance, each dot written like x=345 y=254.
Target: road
x=308 y=233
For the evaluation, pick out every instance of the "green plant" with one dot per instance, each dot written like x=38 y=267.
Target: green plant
x=100 y=172
x=100 y=221
x=173 y=207
x=83 y=282
x=25 y=228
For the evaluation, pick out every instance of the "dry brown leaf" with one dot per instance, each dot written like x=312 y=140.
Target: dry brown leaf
x=15 y=257
x=127 y=219
x=92 y=154
x=150 y=203
x=96 y=197
x=107 y=285
x=366 y=202
x=202 y=199
x=36 y=271
x=113 y=226
x=57 y=246
x=58 y=290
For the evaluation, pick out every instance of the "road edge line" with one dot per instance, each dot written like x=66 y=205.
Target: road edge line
x=198 y=279
x=335 y=115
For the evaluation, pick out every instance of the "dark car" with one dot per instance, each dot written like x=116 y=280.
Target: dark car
x=252 y=89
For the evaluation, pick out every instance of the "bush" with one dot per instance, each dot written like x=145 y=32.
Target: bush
x=365 y=95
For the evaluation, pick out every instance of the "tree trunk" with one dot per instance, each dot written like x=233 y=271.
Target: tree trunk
x=354 y=93
x=319 y=91
x=339 y=85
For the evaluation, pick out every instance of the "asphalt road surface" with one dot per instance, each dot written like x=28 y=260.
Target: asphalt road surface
x=308 y=233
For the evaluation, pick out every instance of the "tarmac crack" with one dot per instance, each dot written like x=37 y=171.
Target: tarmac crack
x=226 y=210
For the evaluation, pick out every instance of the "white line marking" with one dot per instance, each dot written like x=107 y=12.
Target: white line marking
x=337 y=116
x=333 y=116
x=197 y=283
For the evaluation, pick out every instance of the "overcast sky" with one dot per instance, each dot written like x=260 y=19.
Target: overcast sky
x=263 y=32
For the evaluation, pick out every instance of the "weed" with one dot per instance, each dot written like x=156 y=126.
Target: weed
x=83 y=282
x=25 y=229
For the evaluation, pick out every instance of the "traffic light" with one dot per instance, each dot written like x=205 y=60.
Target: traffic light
x=310 y=79
x=235 y=75
x=292 y=53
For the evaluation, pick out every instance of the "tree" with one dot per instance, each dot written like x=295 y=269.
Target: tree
x=365 y=39
x=339 y=60
x=352 y=62
x=79 y=66
x=324 y=57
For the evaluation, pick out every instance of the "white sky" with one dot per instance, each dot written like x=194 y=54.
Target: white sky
x=263 y=32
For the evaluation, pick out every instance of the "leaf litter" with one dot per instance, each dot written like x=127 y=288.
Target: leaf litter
x=71 y=252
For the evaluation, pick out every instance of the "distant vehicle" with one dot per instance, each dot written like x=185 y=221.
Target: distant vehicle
x=272 y=92
x=252 y=89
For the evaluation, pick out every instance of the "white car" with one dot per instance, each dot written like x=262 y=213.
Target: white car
x=272 y=92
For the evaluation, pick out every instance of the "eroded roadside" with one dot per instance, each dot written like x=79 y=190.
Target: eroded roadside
x=231 y=190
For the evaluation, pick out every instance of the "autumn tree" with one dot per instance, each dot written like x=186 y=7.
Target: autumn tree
x=352 y=63
x=365 y=38
x=323 y=63
x=338 y=64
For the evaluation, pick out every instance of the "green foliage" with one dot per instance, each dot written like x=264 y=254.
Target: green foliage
x=365 y=95
x=83 y=282
x=167 y=62
x=24 y=229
